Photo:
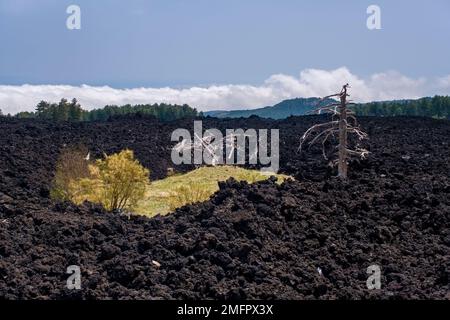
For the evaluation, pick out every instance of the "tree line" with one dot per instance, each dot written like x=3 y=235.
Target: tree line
x=436 y=107
x=72 y=111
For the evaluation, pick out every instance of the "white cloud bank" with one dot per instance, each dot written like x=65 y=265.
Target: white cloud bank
x=310 y=83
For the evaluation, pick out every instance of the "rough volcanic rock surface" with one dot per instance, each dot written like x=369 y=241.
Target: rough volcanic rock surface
x=307 y=239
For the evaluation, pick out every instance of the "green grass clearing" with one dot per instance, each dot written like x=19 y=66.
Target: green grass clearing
x=163 y=196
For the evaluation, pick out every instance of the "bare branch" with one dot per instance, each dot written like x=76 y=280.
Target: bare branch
x=343 y=122
x=312 y=129
x=327 y=109
x=327 y=132
x=359 y=152
x=361 y=134
x=328 y=97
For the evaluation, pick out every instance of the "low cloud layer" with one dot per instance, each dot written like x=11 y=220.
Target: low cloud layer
x=310 y=83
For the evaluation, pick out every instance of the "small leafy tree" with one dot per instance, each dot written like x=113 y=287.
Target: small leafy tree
x=342 y=124
x=117 y=182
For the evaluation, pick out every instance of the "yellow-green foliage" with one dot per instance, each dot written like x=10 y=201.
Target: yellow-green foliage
x=71 y=165
x=164 y=196
x=117 y=182
x=187 y=194
x=120 y=182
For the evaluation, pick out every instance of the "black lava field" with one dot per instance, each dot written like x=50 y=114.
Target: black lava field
x=312 y=238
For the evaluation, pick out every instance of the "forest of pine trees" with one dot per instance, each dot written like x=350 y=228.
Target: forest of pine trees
x=72 y=111
x=436 y=107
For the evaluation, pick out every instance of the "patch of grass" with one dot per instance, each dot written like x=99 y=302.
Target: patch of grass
x=164 y=196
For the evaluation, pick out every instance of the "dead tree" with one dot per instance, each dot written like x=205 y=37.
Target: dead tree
x=343 y=122
x=211 y=146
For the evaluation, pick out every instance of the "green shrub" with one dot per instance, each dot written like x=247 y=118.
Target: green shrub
x=117 y=182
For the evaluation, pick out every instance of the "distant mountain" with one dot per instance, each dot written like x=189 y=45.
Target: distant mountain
x=284 y=109
x=436 y=107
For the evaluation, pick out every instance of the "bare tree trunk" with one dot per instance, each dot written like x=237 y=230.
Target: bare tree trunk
x=342 y=161
x=338 y=124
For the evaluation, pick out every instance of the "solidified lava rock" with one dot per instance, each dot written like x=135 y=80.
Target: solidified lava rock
x=312 y=238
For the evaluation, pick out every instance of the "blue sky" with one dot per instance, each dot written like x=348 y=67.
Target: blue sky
x=200 y=43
